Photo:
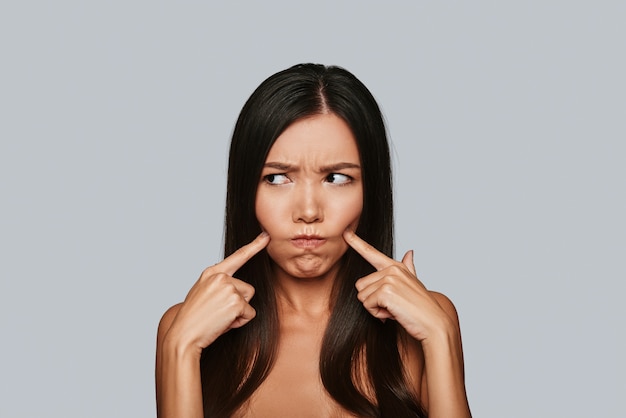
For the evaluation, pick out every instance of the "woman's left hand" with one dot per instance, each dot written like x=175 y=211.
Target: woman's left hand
x=395 y=292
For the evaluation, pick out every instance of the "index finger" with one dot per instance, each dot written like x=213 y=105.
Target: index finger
x=233 y=262
x=368 y=252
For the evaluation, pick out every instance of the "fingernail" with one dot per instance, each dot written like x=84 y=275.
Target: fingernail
x=264 y=234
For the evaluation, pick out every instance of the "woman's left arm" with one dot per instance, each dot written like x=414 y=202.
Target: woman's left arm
x=443 y=354
x=395 y=292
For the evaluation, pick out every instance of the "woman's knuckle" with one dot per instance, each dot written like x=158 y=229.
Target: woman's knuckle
x=206 y=272
x=396 y=269
x=387 y=287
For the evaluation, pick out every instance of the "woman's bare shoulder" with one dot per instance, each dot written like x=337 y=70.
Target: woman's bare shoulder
x=446 y=304
x=167 y=319
x=413 y=354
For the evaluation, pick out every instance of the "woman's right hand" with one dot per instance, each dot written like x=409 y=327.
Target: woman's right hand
x=216 y=303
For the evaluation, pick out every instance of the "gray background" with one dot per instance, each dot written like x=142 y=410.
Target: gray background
x=508 y=124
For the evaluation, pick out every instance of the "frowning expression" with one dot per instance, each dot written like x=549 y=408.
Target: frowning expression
x=310 y=191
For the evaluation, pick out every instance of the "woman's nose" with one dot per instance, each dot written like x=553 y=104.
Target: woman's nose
x=308 y=205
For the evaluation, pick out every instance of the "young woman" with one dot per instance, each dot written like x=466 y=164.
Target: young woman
x=309 y=315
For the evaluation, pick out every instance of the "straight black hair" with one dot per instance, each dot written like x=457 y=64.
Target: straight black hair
x=235 y=365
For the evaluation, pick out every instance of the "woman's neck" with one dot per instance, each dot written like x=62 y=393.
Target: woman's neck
x=304 y=296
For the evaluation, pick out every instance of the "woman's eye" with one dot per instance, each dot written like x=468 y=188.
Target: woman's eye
x=337 y=178
x=276 y=179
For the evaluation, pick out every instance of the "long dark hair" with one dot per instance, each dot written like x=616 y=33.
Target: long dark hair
x=234 y=366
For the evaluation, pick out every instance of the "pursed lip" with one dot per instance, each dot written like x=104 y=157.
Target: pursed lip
x=308 y=241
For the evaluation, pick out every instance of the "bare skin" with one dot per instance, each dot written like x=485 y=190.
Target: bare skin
x=309 y=201
x=217 y=303
x=294 y=388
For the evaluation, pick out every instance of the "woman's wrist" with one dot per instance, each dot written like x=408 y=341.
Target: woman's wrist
x=443 y=339
x=176 y=347
x=445 y=375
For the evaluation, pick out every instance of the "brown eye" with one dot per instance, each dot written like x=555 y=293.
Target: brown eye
x=337 y=178
x=276 y=179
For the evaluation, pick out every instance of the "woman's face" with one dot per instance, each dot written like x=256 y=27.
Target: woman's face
x=310 y=191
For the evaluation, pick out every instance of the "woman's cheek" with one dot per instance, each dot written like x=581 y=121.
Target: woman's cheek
x=271 y=250
x=353 y=218
x=354 y=224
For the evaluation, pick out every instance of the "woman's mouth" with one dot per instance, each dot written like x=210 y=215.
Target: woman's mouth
x=307 y=242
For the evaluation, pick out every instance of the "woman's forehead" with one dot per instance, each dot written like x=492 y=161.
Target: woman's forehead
x=323 y=139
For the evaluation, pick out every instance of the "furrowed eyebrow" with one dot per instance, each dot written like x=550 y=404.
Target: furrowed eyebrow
x=324 y=169
x=338 y=167
x=278 y=166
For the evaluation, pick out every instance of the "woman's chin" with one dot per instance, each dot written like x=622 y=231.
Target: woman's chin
x=308 y=267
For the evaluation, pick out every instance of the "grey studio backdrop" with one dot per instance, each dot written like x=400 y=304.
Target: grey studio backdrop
x=508 y=127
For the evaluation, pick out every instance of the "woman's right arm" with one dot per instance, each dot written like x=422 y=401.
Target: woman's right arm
x=178 y=388
x=215 y=304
